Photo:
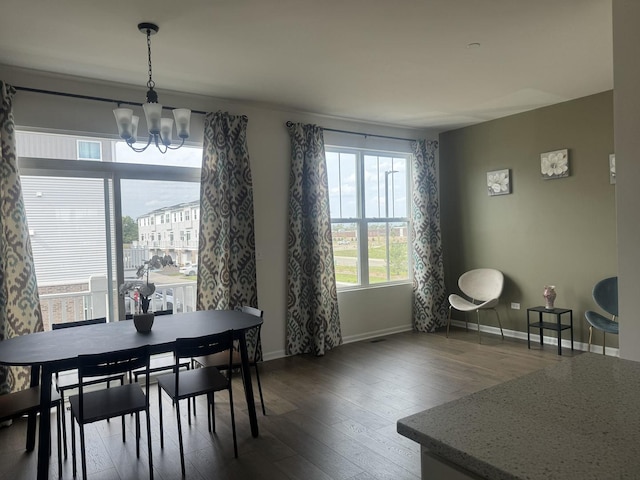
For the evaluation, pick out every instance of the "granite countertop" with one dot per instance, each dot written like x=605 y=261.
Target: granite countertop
x=578 y=419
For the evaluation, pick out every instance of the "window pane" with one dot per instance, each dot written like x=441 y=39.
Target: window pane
x=345 y=253
x=89 y=150
x=68 y=233
x=157 y=224
x=385 y=186
x=342 y=180
x=183 y=157
x=388 y=250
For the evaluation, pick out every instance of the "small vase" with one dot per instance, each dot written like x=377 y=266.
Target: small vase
x=143 y=322
x=549 y=295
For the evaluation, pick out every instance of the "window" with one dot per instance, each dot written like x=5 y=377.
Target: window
x=88 y=150
x=95 y=222
x=368 y=195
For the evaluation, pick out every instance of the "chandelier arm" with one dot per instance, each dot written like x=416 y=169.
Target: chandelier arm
x=140 y=149
x=177 y=146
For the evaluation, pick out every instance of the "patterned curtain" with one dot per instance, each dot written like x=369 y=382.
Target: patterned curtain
x=20 y=312
x=429 y=294
x=313 y=321
x=226 y=252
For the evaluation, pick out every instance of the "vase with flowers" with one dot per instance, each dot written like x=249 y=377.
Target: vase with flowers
x=141 y=292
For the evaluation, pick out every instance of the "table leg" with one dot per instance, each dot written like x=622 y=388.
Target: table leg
x=44 y=437
x=540 y=320
x=559 y=335
x=31 y=422
x=248 y=386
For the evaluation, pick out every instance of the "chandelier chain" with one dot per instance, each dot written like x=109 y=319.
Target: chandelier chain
x=150 y=83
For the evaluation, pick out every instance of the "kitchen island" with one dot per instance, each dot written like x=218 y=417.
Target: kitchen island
x=578 y=419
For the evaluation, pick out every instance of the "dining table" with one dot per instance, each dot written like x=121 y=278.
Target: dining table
x=57 y=350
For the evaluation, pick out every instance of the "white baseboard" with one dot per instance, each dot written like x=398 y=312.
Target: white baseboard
x=376 y=333
x=535 y=337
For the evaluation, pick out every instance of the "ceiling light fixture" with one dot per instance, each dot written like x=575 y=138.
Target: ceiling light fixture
x=160 y=129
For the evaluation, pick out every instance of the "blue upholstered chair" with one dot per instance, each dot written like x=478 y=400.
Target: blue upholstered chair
x=605 y=294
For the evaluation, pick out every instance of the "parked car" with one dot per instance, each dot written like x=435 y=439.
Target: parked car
x=189 y=270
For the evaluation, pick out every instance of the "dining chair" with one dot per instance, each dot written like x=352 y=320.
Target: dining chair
x=192 y=383
x=160 y=363
x=69 y=380
x=254 y=346
x=483 y=287
x=118 y=401
x=24 y=402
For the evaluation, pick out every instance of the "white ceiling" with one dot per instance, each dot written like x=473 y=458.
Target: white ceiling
x=401 y=62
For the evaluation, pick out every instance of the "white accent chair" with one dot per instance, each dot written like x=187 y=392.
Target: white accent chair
x=483 y=286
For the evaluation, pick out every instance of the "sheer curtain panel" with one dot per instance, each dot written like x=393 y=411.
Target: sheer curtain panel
x=20 y=312
x=429 y=294
x=313 y=321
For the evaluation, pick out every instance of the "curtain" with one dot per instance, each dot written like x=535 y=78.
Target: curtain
x=313 y=321
x=20 y=312
x=226 y=251
x=429 y=294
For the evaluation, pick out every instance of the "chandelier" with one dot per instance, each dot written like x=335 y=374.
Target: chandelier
x=160 y=129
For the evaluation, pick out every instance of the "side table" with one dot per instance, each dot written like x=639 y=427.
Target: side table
x=558 y=326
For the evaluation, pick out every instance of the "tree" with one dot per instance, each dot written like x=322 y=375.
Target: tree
x=129 y=230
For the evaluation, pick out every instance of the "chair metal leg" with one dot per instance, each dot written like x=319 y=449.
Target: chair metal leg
x=180 y=437
x=478 y=322
x=73 y=447
x=590 y=333
x=149 y=441
x=233 y=420
x=83 y=455
x=604 y=337
x=58 y=428
x=449 y=320
x=264 y=412
x=160 y=415
x=499 y=323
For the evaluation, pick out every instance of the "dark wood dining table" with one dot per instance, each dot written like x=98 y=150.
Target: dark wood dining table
x=57 y=350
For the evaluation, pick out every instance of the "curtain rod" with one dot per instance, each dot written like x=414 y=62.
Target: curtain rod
x=290 y=123
x=89 y=97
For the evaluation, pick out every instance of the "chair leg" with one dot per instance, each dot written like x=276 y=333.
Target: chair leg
x=160 y=415
x=264 y=412
x=180 y=436
x=137 y=434
x=604 y=338
x=449 y=320
x=149 y=441
x=233 y=421
x=209 y=413
x=478 y=322
x=58 y=428
x=499 y=323
x=83 y=455
x=64 y=423
x=73 y=447
x=590 y=333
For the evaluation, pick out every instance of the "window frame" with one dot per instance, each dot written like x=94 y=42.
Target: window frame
x=362 y=222
x=93 y=142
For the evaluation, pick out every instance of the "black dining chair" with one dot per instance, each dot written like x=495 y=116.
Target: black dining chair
x=192 y=383
x=117 y=401
x=69 y=380
x=160 y=363
x=25 y=402
x=254 y=346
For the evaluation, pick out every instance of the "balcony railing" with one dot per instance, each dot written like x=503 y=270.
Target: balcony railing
x=93 y=303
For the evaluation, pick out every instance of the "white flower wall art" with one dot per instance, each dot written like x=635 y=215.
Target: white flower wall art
x=499 y=182
x=554 y=164
x=612 y=168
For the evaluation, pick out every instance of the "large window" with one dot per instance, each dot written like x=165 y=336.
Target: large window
x=369 y=201
x=93 y=223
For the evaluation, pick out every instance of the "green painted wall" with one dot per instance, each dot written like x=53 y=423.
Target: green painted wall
x=560 y=232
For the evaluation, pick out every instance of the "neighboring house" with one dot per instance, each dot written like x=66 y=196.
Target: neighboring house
x=172 y=231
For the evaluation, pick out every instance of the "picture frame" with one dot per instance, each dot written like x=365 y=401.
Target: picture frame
x=554 y=164
x=612 y=169
x=499 y=182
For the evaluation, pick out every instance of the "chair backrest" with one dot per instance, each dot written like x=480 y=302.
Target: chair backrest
x=252 y=311
x=254 y=344
x=605 y=294
x=79 y=323
x=482 y=283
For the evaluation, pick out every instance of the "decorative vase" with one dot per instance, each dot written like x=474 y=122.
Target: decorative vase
x=549 y=295
x=143 y=322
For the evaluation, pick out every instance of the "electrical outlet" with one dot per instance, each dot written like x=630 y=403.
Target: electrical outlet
x=515 y=306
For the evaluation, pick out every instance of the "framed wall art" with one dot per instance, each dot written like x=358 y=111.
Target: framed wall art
x=554 y=164
x=499 y=182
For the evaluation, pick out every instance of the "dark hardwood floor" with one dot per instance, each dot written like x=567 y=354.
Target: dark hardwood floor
x=328 y=418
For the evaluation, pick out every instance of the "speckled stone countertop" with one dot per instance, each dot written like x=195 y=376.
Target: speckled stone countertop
x=578 y=419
